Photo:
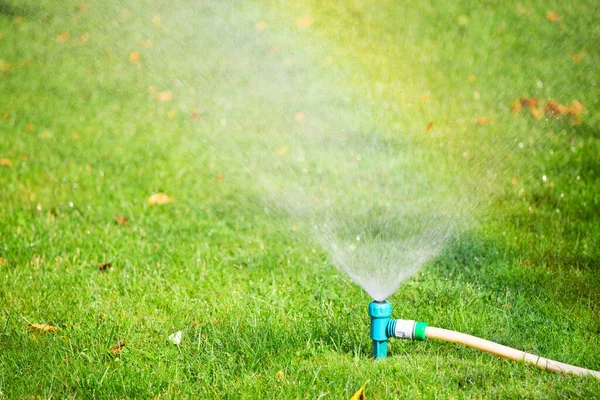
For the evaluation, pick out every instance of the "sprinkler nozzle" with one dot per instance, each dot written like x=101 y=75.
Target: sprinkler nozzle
x=383 y=328
x=380 y=313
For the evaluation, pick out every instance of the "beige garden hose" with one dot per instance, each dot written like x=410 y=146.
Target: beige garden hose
x=506 y=352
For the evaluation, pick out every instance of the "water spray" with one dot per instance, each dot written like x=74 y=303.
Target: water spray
x=383 y=327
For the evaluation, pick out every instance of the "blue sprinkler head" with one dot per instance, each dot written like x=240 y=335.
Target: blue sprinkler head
x=380 y=313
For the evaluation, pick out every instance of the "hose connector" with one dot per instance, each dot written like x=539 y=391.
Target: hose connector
x=406 y=329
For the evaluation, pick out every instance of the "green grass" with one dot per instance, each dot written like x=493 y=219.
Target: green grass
x=251 y=297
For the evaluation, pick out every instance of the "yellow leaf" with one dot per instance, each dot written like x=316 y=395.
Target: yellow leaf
x=63 y=37
x=472 y=78
x=261 y=26
x=279 y=375
x=159 y=198
x=360 y=394
x=304 y=22
x=5 y=162
x=135 y=56
x=171 y=113
x=425 y=98
x=282 y=150
x=147 y=43
x=553 y=16
x=43 y=328
x=164 y=96
x=428 y=126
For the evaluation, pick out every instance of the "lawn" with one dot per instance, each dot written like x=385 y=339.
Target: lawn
x=104 y=104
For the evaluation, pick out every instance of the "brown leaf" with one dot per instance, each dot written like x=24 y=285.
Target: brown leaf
x=43 y=328
x=514 y=180
x=425 y=98
x=104 y=266
x=553 y=16
x=63 y=37
x=121 y=220
x=1 y=260
x=115 y=351
x=529 y=101
x=194 y=116
x=579 y=57
x=148 y=43
x=164 y=96
x=135 y=57
x=5 y=162
x=84 y=38
x=159 y=198
x=428 y=126
x=483 y=121
x=299 y=116
x=29 y=127
x=272 y=49
x=219 y=177
x=472 y=78
x=304 y=22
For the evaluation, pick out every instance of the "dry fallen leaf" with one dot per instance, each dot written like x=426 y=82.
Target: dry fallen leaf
x=29 y=127
x=553 y=16
x=84 y=7
x=164 y=96
x=483 y=121
x=428 y=126
x=304 y=22
x=261 y=26
x=159 y=198
x=1 y=260
x=84 y=38
x=537 y=114
x=18 y=20
x=121 y=220
x=279 y=375
x=360 y=394
x=425 y=98
x=115 y=351
x=282 y=150
x=514 y=180
x=63 y=37
x=472 y=78
x=147 y=43
x=516 y=106
x=219 y=177
x=135 y=57
x=299 y=116
x=43 y=328
x=104 y=266
x=5 y=162
x=579 y=57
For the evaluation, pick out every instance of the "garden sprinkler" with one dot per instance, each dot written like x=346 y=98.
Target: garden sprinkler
x=383 y=327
